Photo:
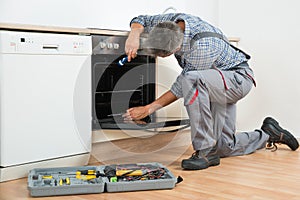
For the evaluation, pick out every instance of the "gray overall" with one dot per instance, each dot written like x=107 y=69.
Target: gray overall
x=210 y=97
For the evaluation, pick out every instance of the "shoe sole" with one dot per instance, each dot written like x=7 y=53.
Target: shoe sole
x=269 y=122
x=212 y=162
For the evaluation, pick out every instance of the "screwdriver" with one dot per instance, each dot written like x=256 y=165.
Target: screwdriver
x=115 y=115
x=87 y=174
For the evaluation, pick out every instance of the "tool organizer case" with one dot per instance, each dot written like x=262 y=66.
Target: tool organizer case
x=62 y=181
x=105 y=178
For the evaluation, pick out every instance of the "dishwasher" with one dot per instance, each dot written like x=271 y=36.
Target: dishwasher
x=45 y=101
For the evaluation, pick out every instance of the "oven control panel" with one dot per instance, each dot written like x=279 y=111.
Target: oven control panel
x=109 y=45
x=103 y=44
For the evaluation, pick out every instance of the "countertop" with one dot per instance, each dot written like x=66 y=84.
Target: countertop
x=56 y=29
x=70 y=30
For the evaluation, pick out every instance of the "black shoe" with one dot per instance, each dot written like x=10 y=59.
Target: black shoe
x=197 y=161
x=278 y=134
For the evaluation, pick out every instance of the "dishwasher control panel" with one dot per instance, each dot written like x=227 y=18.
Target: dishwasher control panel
x=44 y=43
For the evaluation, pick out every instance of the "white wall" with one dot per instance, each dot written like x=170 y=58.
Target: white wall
x=114 y=14
x=205 y=9
x=82 y=13
x=269 y=31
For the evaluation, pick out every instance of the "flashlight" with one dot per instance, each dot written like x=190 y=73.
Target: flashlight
x=123 y=61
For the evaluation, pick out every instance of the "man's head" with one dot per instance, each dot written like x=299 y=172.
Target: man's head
x=164 y=39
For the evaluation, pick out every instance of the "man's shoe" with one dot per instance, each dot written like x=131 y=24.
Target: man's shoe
x=278 y=134
x=197 y=161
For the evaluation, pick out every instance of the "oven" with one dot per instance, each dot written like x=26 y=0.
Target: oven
x=117 y=87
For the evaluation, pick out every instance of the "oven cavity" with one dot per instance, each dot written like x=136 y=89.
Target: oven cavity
x=116 y=88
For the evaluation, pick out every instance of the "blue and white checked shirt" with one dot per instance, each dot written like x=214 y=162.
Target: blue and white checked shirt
x=205 y=53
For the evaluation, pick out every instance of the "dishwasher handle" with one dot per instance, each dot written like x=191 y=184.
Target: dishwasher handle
x=50 y=47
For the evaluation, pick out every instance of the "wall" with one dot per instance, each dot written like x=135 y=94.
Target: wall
x=95 y=13
x=206 y=9
x=81 y=13
x=269 y=31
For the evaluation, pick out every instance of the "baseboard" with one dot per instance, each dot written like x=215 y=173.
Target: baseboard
x=21 y=171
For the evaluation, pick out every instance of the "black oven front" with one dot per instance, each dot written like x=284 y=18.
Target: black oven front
x=117 y=87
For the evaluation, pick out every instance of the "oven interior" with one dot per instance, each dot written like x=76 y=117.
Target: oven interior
x=116 y=88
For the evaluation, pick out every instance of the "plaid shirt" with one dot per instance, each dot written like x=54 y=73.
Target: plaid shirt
x=205 y=53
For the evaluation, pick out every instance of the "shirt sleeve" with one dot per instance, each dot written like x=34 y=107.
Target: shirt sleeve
x=176 y=88
x=149 y=21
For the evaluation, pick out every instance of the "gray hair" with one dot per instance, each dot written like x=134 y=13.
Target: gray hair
x=163 y=39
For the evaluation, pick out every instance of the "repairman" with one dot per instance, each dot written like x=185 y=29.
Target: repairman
x=215 y=76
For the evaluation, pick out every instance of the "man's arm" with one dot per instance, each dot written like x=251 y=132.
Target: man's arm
x=138 y=25
x=133 y=41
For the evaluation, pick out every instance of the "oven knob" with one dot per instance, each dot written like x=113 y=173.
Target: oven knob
x=102 y=45
x=116 y=46
x=109 y=45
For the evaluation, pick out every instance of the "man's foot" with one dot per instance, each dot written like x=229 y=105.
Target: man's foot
x=198 y=161
x=278 y=134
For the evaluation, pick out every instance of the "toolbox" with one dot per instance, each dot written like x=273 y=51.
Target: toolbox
x=99 y=179
x=63 y=181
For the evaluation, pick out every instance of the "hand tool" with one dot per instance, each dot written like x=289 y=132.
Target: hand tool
x=64 y=181
x=129 y=172
x=114 y=115
x=47 y=177
x=87 y=174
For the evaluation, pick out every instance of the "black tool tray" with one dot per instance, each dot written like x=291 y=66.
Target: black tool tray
x=99 y=179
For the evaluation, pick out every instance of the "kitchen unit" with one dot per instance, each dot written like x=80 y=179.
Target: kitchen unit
x=45 y=101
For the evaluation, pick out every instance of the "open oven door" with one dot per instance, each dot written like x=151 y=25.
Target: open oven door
x=146 y=124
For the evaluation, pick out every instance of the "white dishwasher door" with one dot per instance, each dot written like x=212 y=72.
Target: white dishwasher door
x=45 y=97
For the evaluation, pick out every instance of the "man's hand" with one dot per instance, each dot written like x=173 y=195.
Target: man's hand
x=132 y=45
x=133 y=41
x=136 y=113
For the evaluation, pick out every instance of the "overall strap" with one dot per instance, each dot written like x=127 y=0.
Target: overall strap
x=201 y=35
x=175 y=16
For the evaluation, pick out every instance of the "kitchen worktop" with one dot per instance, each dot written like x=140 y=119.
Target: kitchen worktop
x=56 y=29
x=71 y=30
